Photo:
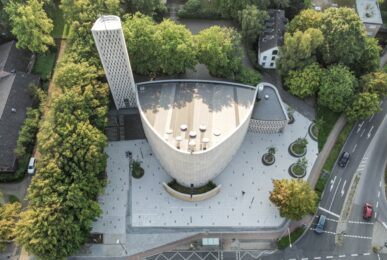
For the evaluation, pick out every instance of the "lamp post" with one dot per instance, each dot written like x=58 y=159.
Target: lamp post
x=290 y=241
x=123 y=248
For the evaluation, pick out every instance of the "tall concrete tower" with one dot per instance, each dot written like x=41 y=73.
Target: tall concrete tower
x=110 y=42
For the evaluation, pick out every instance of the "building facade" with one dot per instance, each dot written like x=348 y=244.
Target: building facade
x=111 y=46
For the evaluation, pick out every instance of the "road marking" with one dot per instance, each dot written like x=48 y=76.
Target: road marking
x=370 y=132
x=377 y=204
x=376 y=214
x=342 y=189
x=332 y=183
x=354 y=254
x=360 y=222
x=329 y=219
x=380 y=184
x=384 y=225
x=378 y=194
x=354 y=148
x=292 y=259
x=329 y=257
x=355 y=236
x=325 y=231
x=329 y=212
x=362 y=133
x=317 y=257
x=304 y=258
x=371 y=118
x=359 y=126
x=341 y=256
x=366 y=253
x=381 y=102
x=334 y=195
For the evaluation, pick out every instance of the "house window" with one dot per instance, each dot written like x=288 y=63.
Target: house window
x=263 y=64
x=264 y=57
x=272 y=64
x=275 y=52
x=273 y=58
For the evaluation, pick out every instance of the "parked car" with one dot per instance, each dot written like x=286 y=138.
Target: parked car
x=31 y=166
x=320 y=224
x=344 y=159
x=367 y=211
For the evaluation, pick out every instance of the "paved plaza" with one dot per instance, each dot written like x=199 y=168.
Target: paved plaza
x=242 y=202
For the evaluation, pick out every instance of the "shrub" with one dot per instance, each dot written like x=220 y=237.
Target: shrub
x=137 y=170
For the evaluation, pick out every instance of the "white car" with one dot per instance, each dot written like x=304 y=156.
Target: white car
x=31 y=166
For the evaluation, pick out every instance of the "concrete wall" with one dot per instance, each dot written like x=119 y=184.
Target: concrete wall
x=193 y=198
x=266 y=127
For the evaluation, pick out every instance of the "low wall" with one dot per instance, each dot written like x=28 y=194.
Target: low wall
x=193 y=198
x=266 y=127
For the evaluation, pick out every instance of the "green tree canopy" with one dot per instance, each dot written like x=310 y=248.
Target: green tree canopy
x=30 y=25
x=147 y=7
x=344 y=36
x=294 y=198
x=305 y=82
x=252 y=22
x=337 y=88
x=299 y=50
x=370 y=58
x=364 y=105
x=375 y=82
x=9 y=215
x=71 y=74
x=306 y=19
x=220 y=50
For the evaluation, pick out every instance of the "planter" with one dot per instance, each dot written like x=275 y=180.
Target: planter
x=313 y=132
x=268 y=159
x=297 y=171
x=294 y=150
x=137 y=171
x=291 y=119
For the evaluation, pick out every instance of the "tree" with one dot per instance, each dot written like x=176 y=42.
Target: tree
x=370 y=58
x=71 y=74
x=147 y=7
x=27 y=133
x=375 y=82
x=9 y=215
x=177 y=50
x=299 y=50
x=252 y=22
x=337 y=88
x=344 y=35
x=220 y=50
x=30 y=25
x=364 y=106
x=295 y=6
x=308 y=18
x=305 y=82
x=294 y=198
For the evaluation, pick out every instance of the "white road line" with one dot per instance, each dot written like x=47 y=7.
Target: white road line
x=342 y=189
x=354 y=254
x=371 y=118
x=359 y=126
x=360 y=222
x=317 y=257
x=341 y=256
x=366 y=253
x=380 y=184
x=377 y=204
x=381 y=102
x=332 y=183
x=329 y=212
x=378 y=194
x=370 y=132
x=354 y=236
x=329 y=257
x=292 y=259
x=334 y=195
x=378 y=257
x=362 y=132
x=304 y=258
x=384 y=225
x=354 y=148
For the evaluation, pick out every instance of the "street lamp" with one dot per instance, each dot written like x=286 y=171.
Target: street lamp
x=290 y=241
x=118 y=242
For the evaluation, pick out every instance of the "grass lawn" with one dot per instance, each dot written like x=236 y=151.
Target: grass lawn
x=329 y=119
x=284 y=241
x=44 y=64
x=61 y=29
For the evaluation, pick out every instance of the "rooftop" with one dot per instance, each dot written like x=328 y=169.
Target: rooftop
x=13 y=59
x=107 y=22
x=368 y=11
x=269 y=107
x=208 y=110
x=275 y=28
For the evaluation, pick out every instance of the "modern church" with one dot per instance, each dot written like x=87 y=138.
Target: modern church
x=194 y=127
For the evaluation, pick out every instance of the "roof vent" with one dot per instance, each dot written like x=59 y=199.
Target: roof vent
x=266 y=96
x=192 y=145
x=178 y=141
x=216 y=132
x=205 y=142
x=169 y=131
x=202 y=128
x=192 y=134
x=183 y=127
x=13 y=110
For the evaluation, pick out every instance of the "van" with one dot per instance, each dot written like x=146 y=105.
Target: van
x=320 y=224
x=31 y=166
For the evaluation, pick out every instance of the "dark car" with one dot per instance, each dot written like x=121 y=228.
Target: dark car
x=344 y=159
x=367 y=211
x=320 y=224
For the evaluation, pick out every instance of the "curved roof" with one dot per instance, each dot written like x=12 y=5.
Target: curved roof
x=184 y=113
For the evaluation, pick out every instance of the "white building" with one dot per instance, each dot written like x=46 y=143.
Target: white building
x=271 y=39
x=369 y=13
x=111 y=46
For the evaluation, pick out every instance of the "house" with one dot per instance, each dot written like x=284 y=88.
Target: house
x=15 y=65
x=271 y=39
x=369 y=13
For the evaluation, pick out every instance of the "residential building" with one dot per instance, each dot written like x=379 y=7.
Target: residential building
x=271 y=39
x=369 y=13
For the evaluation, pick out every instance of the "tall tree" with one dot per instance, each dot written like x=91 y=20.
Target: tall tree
x=30 y=25
x=337 y=88
x=305 y=82
x=147 y=7
x=252 y=22
x=375 y=82
x=306 y=19
x=294 y=198
x=370 y=58
x=9 y=215
x=71 y=74
x=219 y=49
x=364 y=105
x=299 y=50
x=344 y=35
